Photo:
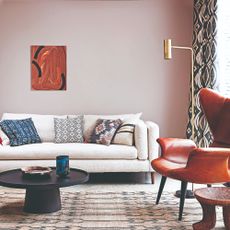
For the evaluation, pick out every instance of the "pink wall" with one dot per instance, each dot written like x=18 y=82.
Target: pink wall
x=114 y=58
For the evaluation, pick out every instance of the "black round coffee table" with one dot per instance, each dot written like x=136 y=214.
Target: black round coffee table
x=42 y=193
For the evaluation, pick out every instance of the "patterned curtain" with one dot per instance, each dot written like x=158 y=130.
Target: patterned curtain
x=205 y=65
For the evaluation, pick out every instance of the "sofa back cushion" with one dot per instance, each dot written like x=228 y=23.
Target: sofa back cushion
x=44 y=124
x=90 y=122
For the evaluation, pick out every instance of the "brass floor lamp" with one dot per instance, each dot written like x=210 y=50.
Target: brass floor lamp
x=168 y=55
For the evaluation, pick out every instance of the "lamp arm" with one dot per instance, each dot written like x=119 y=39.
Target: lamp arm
x=192 y=95
x=192 y=86
x=183 y=48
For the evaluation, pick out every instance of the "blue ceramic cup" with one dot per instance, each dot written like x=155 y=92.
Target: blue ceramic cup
x=62 y=165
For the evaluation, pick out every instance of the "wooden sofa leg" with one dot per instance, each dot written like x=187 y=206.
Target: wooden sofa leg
x=152 y=177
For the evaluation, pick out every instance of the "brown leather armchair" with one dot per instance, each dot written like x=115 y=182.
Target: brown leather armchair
x=180 y=158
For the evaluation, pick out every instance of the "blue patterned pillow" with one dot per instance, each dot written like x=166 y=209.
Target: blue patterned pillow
x=20 y=132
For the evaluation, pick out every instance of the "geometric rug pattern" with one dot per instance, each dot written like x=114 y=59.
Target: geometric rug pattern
x=90 y=210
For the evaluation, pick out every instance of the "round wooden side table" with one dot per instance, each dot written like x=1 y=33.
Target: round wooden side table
x=209 y=198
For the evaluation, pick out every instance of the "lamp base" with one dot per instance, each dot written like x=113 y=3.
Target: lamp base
x=189 y=194
x=227 y=184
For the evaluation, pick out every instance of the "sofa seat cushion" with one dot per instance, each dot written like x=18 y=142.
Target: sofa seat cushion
x=48 y=150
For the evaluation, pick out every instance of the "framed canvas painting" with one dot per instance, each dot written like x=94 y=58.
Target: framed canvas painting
x=48 y=67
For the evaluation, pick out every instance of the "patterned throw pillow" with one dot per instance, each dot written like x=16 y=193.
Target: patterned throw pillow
x=69 y=130
x=104 y=131
x=20 y=132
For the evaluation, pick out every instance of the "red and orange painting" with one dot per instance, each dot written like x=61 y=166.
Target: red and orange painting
x=48 y=67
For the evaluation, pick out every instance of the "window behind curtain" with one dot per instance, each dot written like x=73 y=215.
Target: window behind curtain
x=223 y=46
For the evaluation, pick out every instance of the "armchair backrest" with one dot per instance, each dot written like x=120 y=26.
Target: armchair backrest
x=217 y=111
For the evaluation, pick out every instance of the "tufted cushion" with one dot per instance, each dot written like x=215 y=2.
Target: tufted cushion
x=104 y=131
x=20 y=132
x=68 y=130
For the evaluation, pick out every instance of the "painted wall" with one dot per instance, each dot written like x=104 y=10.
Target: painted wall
x=114 y=58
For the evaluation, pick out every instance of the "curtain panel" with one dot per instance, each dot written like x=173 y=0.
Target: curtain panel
x=205 y=71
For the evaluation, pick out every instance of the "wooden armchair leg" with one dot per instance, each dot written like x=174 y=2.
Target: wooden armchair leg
x=162 y=184
x=182 y=198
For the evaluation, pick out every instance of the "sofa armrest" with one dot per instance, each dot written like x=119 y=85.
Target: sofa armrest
x=153 y=135
x=141 y=140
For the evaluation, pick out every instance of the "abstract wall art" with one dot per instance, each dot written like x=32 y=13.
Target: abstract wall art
x=48 y=67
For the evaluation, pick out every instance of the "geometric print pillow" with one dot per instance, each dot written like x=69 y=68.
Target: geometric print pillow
x=20 y=132
x=69 y=130
x=104 y=131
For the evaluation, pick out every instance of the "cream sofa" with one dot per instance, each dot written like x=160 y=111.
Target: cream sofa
x=93 y=158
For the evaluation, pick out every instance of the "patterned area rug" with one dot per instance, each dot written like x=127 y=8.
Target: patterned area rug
x=102 y=210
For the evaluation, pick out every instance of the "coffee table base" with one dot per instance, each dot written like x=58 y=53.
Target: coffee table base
x=42 y=200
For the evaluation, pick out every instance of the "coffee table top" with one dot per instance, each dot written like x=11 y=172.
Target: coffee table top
x=214 y=195
x=15 y=179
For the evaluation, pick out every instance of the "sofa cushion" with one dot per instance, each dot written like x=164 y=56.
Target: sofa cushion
x=43 y=123
x=69 y=130
x=20 y=132
x=104 y=131
x=45 y=151
x=90 y=121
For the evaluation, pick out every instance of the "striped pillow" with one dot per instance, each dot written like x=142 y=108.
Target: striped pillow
x=125 y=133
x=20 y=132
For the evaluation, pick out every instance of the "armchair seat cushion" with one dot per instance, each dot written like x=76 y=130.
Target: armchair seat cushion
x=163 y=166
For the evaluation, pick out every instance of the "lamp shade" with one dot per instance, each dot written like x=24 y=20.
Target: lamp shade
x=167 y=49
